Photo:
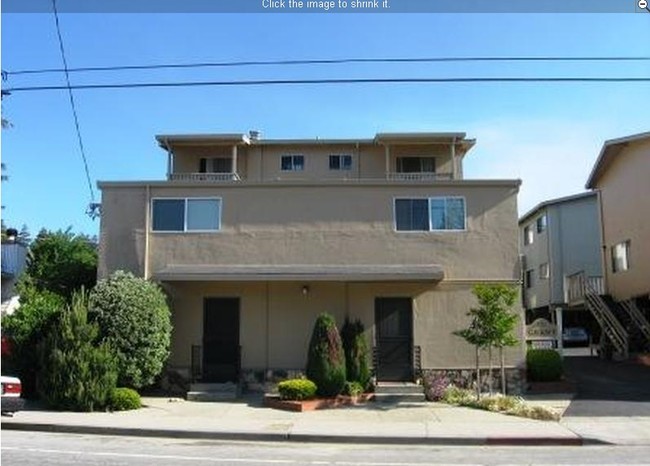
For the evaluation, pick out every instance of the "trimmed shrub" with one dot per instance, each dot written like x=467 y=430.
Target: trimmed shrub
x=76 y=375
x=297 y=389
x=355 y=348
x=352 y=389
x=458 y=396
x=325 y=359
x=544 y=365
x=134 y=318
x=124 y=399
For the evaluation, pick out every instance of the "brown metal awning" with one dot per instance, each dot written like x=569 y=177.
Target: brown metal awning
x=343 y=273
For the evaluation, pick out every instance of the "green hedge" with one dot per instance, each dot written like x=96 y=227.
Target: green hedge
x=297 y=389
x=124 y=399
x=544 y=365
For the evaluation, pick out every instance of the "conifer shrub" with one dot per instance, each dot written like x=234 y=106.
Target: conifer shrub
x=355 y=348
x=325 y=359
x=77 y=373
x=124 y=399
x=297 y=389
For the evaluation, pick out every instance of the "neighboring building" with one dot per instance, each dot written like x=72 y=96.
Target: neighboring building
x=560 y=240
x=253 y=238
x=13 y=260
x=620 y=178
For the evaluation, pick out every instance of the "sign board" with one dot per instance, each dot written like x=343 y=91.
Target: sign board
x=541 y=329
x=542 y=344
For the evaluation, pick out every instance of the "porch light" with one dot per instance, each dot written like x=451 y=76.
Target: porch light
x=305 y=290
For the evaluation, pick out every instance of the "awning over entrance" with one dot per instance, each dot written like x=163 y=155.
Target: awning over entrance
x=344 y=273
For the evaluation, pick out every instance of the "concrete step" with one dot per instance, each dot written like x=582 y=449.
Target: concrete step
x=213 y=392
x=213 y=387
x=398 y=388
x=392 y=398
x=211 y=396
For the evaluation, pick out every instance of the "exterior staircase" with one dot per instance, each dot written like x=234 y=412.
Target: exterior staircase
x=213 y=392
x=612 y=329
x=399 y=392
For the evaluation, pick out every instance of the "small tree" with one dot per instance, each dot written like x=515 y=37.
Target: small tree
x=474 y=335
x=28 y=326
x=77 y=374
x=325 y=359
x=134 y=318
x=355 y=349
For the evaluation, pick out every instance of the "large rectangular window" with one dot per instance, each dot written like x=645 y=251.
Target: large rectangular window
x=528 y=235
x=292 y=163
x=621 y=256
x=541 y=224
x=187 y=214
x=416 y=164
x=215 y=165
x=340 y=162
x=432 y=214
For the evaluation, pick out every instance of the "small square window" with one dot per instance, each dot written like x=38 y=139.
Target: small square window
x=528 y=279
x=340 y=162
x=293 y=163
x=544 y=271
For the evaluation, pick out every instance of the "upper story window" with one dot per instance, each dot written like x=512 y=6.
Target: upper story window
x=541 y=223
x=621 y=256
x=528 y=235
x=416 y=164
x=528 y=279
x=340 y=162
x=186 y=214
x=432 y=214
x=292 y=163
x=544 y=272
x=215 y=165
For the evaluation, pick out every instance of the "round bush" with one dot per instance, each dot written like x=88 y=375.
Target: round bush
x=124 y=399
x=134 y=318
x=544 y=365
x=297 y=389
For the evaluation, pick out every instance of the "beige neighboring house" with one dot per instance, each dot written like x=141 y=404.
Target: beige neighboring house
x=252 y=238
x=621 y=177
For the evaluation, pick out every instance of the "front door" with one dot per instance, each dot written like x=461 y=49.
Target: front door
x=394 y=339
x=220 y=339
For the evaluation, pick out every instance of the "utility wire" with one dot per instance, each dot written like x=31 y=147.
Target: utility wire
x=270 y=82
x=325 y=61
x=69 y=87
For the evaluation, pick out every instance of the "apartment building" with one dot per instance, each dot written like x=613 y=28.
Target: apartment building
x=252 y=238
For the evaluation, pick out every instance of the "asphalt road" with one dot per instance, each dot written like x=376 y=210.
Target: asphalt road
x=37 y=448
x=608 y=388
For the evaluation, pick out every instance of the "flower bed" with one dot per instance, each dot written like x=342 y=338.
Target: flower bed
x=274 y=401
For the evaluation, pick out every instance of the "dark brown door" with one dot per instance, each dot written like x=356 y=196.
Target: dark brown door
x=220 y=339
x=394 y=339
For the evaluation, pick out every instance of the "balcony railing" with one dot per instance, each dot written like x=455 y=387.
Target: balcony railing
x=575 y=287
x=13 y=259
x=212 y=177
x=422 y=176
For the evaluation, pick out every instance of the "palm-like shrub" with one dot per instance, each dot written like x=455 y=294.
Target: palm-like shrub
x=325 y=359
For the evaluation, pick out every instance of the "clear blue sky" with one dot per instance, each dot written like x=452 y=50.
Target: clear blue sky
x=546 y=134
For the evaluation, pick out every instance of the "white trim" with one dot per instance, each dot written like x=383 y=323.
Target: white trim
x=428 y=199
x=185 y=202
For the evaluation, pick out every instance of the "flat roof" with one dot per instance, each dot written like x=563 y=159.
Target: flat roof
x=301 y=272
x=550 y=202
x=611 y=148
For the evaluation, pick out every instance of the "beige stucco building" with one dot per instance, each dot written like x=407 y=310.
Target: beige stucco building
x=252 y=238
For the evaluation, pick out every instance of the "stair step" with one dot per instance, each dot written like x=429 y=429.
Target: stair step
x=399 y=388
x=400 y=397
x=211 y=396
x=213 y=387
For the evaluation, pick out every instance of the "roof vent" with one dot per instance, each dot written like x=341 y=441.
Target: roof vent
x=254 y=135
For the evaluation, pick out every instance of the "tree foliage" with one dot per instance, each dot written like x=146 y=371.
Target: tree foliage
x=355 y=348
x=134 y=318
x=39 y=311
x=61 y=262
x=325 y=359
x=77 y=374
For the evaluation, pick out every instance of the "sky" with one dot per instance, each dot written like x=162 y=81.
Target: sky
x=546 y=134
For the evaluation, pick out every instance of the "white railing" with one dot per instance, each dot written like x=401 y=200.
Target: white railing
x=575 y=287
x=204 y=177
x=13 y=258
x=422 y=176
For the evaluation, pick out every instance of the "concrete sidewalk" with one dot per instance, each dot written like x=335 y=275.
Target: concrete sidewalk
x=416 y=423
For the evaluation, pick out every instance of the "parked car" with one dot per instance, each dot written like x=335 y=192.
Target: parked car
x=575 y=336
x=11 y=400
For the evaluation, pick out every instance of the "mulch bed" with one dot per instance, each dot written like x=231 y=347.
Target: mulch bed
x=274 y=401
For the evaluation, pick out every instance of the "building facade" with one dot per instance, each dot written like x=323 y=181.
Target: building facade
x=253 y=238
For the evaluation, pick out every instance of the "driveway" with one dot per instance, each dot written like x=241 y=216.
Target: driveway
x=608 y=388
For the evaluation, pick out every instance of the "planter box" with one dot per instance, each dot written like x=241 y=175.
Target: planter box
x=274 y=401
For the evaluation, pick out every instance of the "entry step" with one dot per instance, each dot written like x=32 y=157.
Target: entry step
x=398 y=392
x=213 y=392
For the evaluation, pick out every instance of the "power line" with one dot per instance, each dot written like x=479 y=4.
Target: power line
x=324 y=61
x=69 y=87
x=270 y=82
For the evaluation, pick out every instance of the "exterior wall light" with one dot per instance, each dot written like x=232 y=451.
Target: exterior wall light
x=305 y=290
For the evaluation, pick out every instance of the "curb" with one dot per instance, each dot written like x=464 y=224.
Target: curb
x=288 y=437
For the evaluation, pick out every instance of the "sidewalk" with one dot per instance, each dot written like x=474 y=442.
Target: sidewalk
x=416 y=423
